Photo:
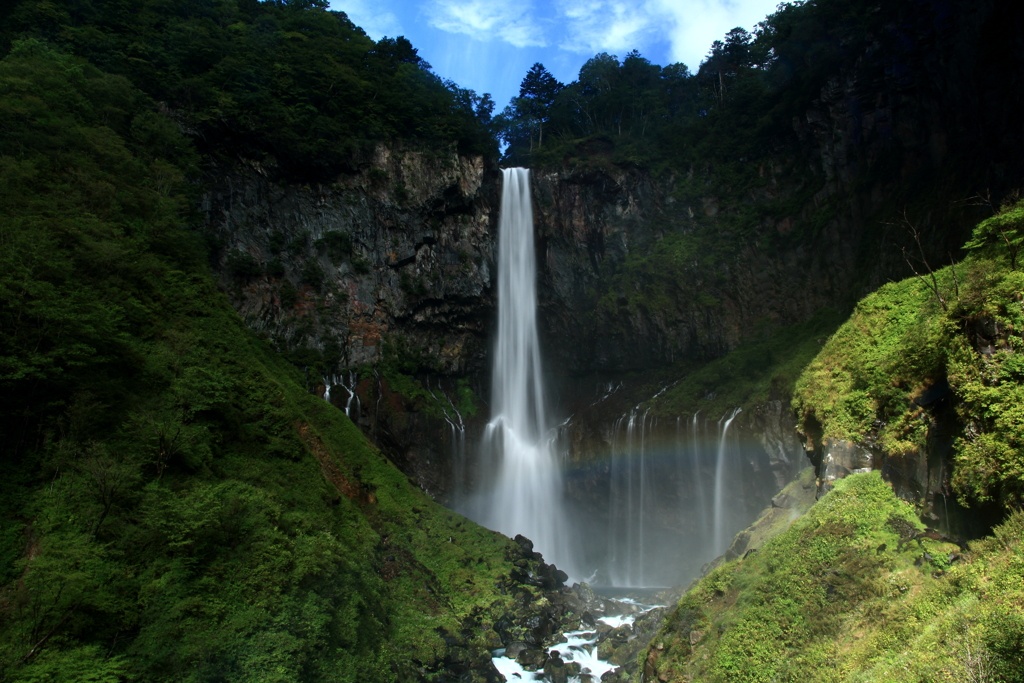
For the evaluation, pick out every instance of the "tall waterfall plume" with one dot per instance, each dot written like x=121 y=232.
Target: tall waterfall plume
x=527 y=494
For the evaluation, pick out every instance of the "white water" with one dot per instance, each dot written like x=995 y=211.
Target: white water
x=458 y=438
x=695 y=470
x=527 y=494
x=580 y=647
x=349 y=385
x=629 y=505
x=720 y=531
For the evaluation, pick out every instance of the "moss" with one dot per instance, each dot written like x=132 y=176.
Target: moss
x=872 y=377
x=750 y=374
x=836 y=597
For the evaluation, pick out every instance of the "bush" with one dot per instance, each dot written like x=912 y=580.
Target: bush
x=336 y=245
x=312 y=274
x=289 y=296
x=275 y=268
x=241 y=265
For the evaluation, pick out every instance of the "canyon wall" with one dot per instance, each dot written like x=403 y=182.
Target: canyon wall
x=882 y=172
x=401 y=248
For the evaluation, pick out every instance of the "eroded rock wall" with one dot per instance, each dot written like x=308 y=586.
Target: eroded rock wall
x=402 y=247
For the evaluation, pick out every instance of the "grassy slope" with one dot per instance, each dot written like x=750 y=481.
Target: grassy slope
x=964 y=327
x=750 y=374
x=841 y=595
x=174 y=505
x=837 y=597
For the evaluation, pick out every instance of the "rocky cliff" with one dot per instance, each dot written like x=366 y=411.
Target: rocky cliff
x=641 y=271
x=400 y=248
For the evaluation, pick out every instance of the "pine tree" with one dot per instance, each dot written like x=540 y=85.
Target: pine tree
x=537 y=93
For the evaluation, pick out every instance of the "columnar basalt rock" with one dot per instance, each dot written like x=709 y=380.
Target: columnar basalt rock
x=637 y=270
x=403 y=246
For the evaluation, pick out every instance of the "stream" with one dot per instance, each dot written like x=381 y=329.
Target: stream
x=580 y=647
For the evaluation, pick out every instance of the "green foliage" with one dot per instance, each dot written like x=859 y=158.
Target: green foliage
x=737 y=106
x=292 y=80
x=869 y=369
x=174 y=505
x=275 y=268
x=1002 y=234
x=336 y=245
x=827 y=601
x=751 y=374
x=901 y=342
x=467 y=402
x=360 y=265
x=243 y=266
x=289 y=296
x=312 y=274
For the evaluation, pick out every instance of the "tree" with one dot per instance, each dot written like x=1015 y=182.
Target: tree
x=537 y=94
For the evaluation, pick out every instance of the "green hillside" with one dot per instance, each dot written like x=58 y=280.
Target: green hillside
x=859 y=589
x=174 y=505
x=853 y=591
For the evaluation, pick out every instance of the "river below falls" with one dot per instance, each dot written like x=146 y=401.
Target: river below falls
x=580 y=646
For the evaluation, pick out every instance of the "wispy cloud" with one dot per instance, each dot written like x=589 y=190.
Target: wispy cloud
x=687 y=27
x=607 y=25
x=509 y=20
x=371 y=17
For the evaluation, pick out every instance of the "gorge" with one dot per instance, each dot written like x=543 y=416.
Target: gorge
x=279 y=399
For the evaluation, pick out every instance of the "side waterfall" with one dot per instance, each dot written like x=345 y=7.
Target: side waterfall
x=630 y=501
x=720 y=536
x=527 y=494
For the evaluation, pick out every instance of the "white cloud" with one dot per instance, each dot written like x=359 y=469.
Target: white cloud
x=687 y=26
x=507 y=20
x=691 y=27
x=370 y=16
x=607 y=26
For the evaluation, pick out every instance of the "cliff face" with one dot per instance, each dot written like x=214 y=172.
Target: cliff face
x=884 y=170
x=400 y=248
x=638 y=271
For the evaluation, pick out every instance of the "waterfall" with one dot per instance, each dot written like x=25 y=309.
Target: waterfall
x=631 y=500
x=458 y=438
x=527 y=494
x=720 y=537
x=695 y=449
x=349 y=385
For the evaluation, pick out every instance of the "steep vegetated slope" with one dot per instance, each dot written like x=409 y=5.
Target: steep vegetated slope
x=856 y=590
x=926 y=365
x=289 y=82
x=175 y=504
x=346 y=191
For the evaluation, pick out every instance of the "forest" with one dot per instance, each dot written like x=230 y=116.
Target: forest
x=177 y=500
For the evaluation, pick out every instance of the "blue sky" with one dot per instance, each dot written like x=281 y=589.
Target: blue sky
x=488 y=45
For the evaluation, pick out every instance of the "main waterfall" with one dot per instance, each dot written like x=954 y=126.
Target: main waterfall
x=526 y=497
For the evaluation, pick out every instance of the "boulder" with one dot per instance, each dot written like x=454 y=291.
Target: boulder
x=532 y=658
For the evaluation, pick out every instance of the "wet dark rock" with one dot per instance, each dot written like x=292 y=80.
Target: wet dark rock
x=513 y=650
x=739 y=546
x=540 y=626
x=532 y=658
x=526 y=551
x=585 y=593
x=782 y=501
x=841 y=458
x=503 y=627
x=558 y=671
